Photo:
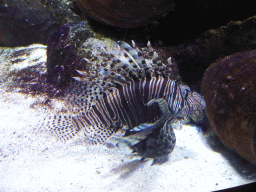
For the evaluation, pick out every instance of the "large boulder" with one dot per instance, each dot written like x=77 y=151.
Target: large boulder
x=229 y=88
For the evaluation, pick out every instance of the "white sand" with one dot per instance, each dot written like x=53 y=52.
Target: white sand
x=30 y=162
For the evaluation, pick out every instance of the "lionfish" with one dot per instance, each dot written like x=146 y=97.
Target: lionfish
x=129 y=93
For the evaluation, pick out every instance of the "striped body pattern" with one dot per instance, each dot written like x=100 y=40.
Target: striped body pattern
x=132 y=94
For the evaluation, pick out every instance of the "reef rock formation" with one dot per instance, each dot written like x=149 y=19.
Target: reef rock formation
x=229 y=88
x=125 y=14
x=25 y=22
x=62 y=51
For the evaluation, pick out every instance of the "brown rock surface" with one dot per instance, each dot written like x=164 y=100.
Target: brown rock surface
x=229 y=88
x=24 y=22
x=125 y=14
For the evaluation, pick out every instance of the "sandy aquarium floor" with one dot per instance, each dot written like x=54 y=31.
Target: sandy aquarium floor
x=37 y=162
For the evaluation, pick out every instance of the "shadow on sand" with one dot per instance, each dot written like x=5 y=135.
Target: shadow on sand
x=126 y=170
x=242 y=167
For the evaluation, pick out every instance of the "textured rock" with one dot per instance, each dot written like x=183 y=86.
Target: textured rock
x=64 y=11
x=62 y=51
x=23 y=22
x=125 y=14
x=194 y=56
x=229 y=88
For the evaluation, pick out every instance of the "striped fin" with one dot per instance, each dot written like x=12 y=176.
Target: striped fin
x=153 y=66
x=82 y=95
x=61 y=126
x=136 y=62
x=164 y=108
x=95 y=133
x=169 y=65
x=128 y=65
x=153 y=140
x=142 y=127
x=158 y=144
x=163 y=105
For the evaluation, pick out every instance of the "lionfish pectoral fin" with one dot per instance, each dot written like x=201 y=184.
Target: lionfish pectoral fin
x=160 y=142
x=163 y=105
x=136 y=135
x=143 y=130
x=142 y=127
x=165 y=143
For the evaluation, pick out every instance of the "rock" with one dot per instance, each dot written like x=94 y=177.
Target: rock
x=229 y=88
x=196 y=55
x=64 y=11
x=23 y=70
x=62 y=51
x=24 y=22
x=192 y=18
x=125 y=14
